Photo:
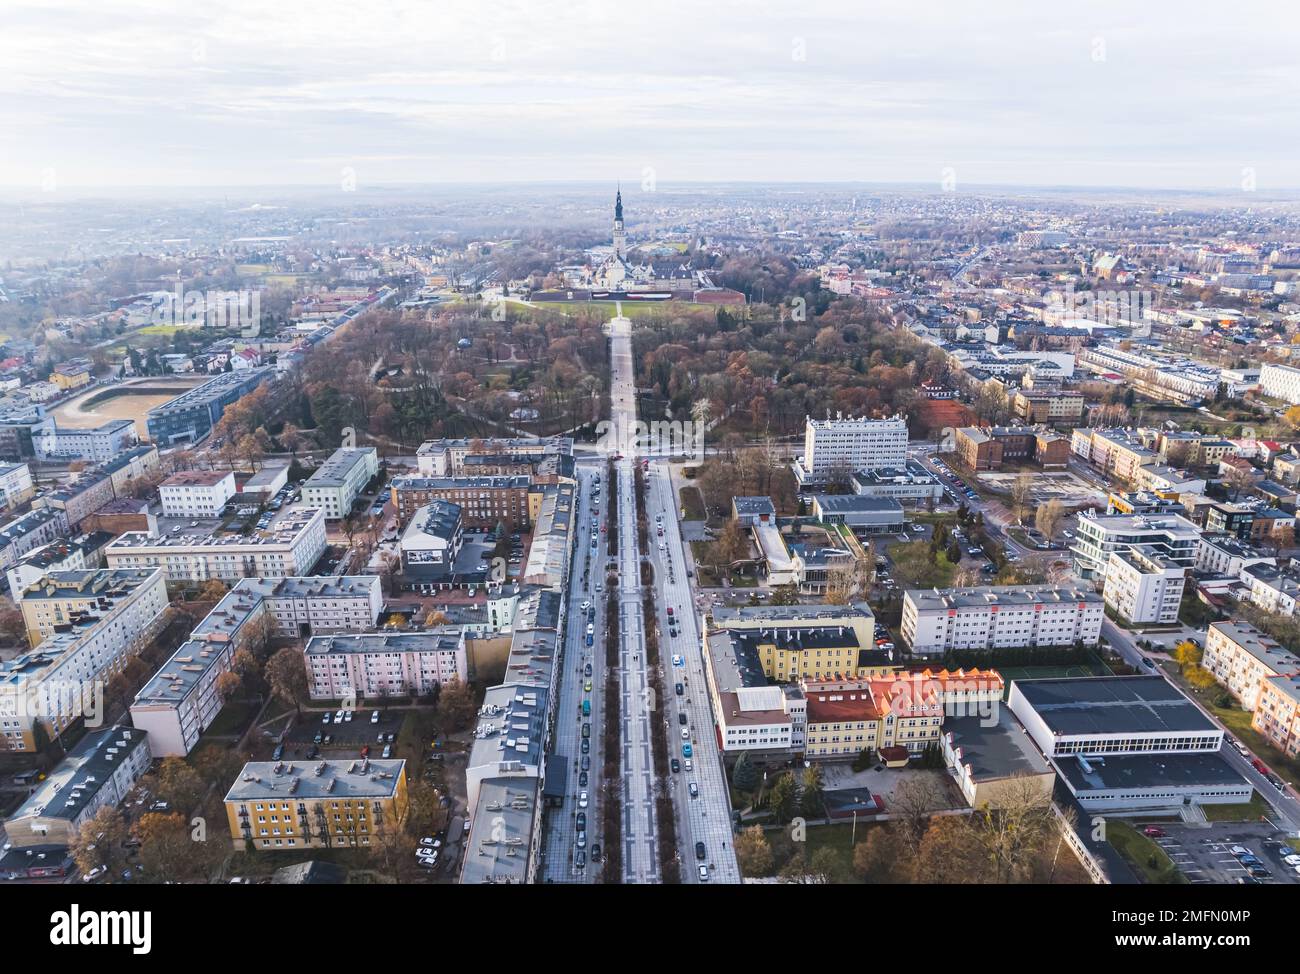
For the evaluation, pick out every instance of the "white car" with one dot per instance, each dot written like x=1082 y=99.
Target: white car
x=686 y=733
x=585 y=605
x=582 y=799
x=1292 y=860
x=94 y=874
x=1240 y=850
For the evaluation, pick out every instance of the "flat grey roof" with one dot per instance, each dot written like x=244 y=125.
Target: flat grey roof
x=1112 y=705
x=342 y=779
x=1129 y=771
x=997 y=751
x=985 y=595
x=79 y=776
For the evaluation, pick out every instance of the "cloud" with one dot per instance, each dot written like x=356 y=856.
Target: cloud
x=112 y=93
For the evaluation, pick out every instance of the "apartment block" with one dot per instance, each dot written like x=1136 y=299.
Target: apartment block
x=33 y=530
x=1144 y=585
x=62 y=679
x=936 y=621
x=316 y=805
x=15 y=484
x=290 y=546
x=1280 y=382
x=99 y=772
x=1277 y=712
x=383 y=664
x=180 y=701
x=1097 y=536
x=337 y=483
x=1241 y=658
x=197 y=493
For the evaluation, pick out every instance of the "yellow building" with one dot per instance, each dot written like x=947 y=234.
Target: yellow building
x=71 y=375
x=1277 y=712
x=897 y=710
x=315 y=805
x=789 y=654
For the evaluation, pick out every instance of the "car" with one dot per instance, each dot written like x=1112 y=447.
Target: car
x=582 y=821
x=1148 y=664
x=670 y=612
x=1291 y=860
x=681 y=719
x=586 y=687
x=327 y=718
x=94 y=874
x=582 y=780
x=585 y=605
x=317 y=739
x=704 y=874
x=675 y=765
x=700 y=851
x=329 y=738
x=586 y=763
x=679 y=689
x=580 y=859
x=582 y=799
x=586 y=670
x=686 y=733
x=679 y=660
x=1259 y=872
x=1152 y=832
x=374 y=717
x=387 y=752
x=431 y=842
x=582 y=840
x=686 y=750
x=590 y=628
x=586 y=730
x=693 y=788
x=586 y=746
x=1239 y=850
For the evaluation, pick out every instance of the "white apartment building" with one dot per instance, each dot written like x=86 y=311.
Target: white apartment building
x=124 y=598
x=57 y=556
x=999 y=617
x=291 y=546
x=1280 y=382
x=99 y=772
x=446 y=458
x=15 y=484
x=381 y=664
x=852 y=444
x=1241 y=657
x=336 y=484
x=1179 y=380
x=1097 y=536
x=98 y=445
x=63 y=678
x=1273 y=589
x=180 y=701
x=197 y=493
x=1228 y=557
x=1142 y=585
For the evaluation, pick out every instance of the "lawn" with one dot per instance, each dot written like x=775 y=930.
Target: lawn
x=1141 y=852
x=1251 y=811
x=1010 y=673
x=234 y=717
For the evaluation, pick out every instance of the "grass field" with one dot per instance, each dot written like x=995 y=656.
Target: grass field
x=1145 y=856
x=1010 y=673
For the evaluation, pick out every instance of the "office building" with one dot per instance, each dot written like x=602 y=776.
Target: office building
x=98 y=444
x=838 y=447
x=190 y=416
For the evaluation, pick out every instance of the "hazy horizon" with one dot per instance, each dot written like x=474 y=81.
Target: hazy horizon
x=1173 y=97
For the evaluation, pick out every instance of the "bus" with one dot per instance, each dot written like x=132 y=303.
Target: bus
x=586 y=708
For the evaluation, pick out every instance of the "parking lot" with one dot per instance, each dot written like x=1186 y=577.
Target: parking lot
x=1207 y=855
x=350 y=735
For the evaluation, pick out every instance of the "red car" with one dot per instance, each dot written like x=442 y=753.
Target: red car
x=1152 y=832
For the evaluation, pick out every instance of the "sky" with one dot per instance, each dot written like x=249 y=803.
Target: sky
x=158 y=93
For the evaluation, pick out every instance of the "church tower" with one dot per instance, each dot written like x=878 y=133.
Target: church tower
x=620 y=235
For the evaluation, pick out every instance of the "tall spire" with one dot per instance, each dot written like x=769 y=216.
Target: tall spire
x=618 y=204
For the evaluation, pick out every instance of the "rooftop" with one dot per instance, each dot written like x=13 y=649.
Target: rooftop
x=1112 y=705
x=79 y=776
x=340 y=779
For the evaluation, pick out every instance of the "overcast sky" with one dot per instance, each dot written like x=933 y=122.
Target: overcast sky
x=105 y=93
